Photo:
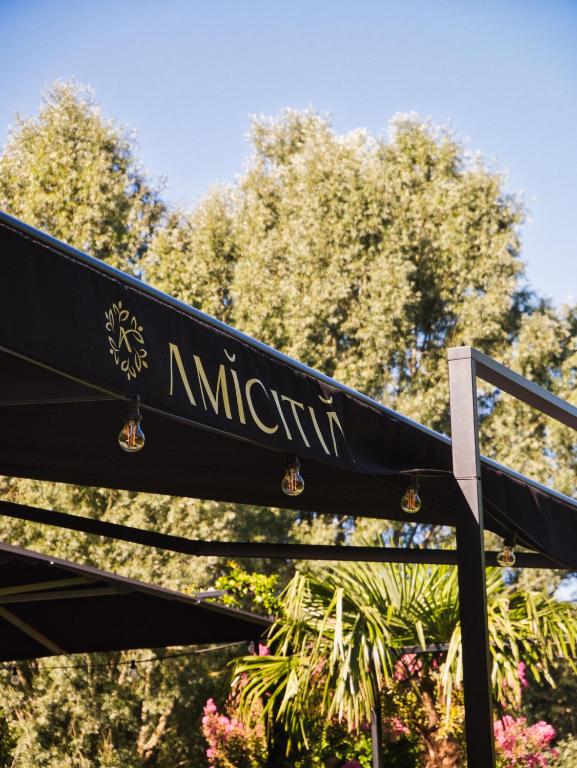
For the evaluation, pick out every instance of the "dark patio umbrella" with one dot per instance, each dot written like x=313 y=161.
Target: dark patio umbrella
x=50 y=607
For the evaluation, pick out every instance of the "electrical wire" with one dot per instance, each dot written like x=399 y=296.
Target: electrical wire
x=123 y=662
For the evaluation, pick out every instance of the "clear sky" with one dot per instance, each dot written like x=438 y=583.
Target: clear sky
x=187 y=74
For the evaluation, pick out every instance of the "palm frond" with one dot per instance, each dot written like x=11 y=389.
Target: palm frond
x=342 y=632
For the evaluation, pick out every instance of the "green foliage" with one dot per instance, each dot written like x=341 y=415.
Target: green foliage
x=332 y=745
x=567 y=757
x=251 y=591
x=94 y=715
x=415 y=723
x=344 y=634
x=207 y=253
x=545 y=351
x=8 y=740
x=73 y=174
x=557 y=706
x=363 y=257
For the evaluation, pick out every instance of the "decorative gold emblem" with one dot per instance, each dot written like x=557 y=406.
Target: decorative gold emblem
x=126 y=340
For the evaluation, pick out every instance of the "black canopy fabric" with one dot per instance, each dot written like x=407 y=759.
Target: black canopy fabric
x=221 y=411
x=50 y=607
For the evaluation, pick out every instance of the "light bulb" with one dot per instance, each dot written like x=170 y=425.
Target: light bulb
x=411 y=501
x=14 y=677
x=131 y=436
x=133 y=671
x=292 y=482
x=506 y=558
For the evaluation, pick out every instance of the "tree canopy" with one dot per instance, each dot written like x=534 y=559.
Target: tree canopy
x=75 y=175
x=363 y=257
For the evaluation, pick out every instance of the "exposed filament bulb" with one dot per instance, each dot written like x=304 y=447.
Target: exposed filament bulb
x=292 y=482
x=411 y=501
x=131 y=437
x=506 y=558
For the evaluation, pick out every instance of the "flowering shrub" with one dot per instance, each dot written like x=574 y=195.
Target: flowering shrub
x=231 y=744
x=409 y=665
x=519 y=745
x=394 y=729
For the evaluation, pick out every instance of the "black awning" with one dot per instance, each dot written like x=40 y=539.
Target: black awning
x=221 y=411
x=50 y=607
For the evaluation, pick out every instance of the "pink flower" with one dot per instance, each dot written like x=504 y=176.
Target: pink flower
x=395 y=728
x=543 y=732
x=230 y=742
x=521 y=671
x=409 y=665
x=397 y=725
x=523 y=745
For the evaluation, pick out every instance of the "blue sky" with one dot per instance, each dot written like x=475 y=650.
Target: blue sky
x=188 y=74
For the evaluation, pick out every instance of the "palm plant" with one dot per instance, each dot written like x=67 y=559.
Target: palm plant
x=344 y=633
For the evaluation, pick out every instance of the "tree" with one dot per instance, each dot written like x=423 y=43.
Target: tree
x=206 y=236
x=362 y=257
x=344 y=642
x=73 y=174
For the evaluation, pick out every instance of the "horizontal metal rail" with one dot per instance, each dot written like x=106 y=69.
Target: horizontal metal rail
x=518 y=386
x=247 y=549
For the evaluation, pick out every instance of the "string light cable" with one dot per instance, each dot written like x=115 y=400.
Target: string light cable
x=131 y=663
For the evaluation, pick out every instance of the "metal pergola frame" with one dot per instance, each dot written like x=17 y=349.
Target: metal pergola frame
x=466 y=365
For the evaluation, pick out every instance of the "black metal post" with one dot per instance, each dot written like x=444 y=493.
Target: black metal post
x=471 y=563
x=377 y=737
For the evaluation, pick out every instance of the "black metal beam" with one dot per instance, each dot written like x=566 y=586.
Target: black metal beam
x=248 y=549
x=516 y=385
